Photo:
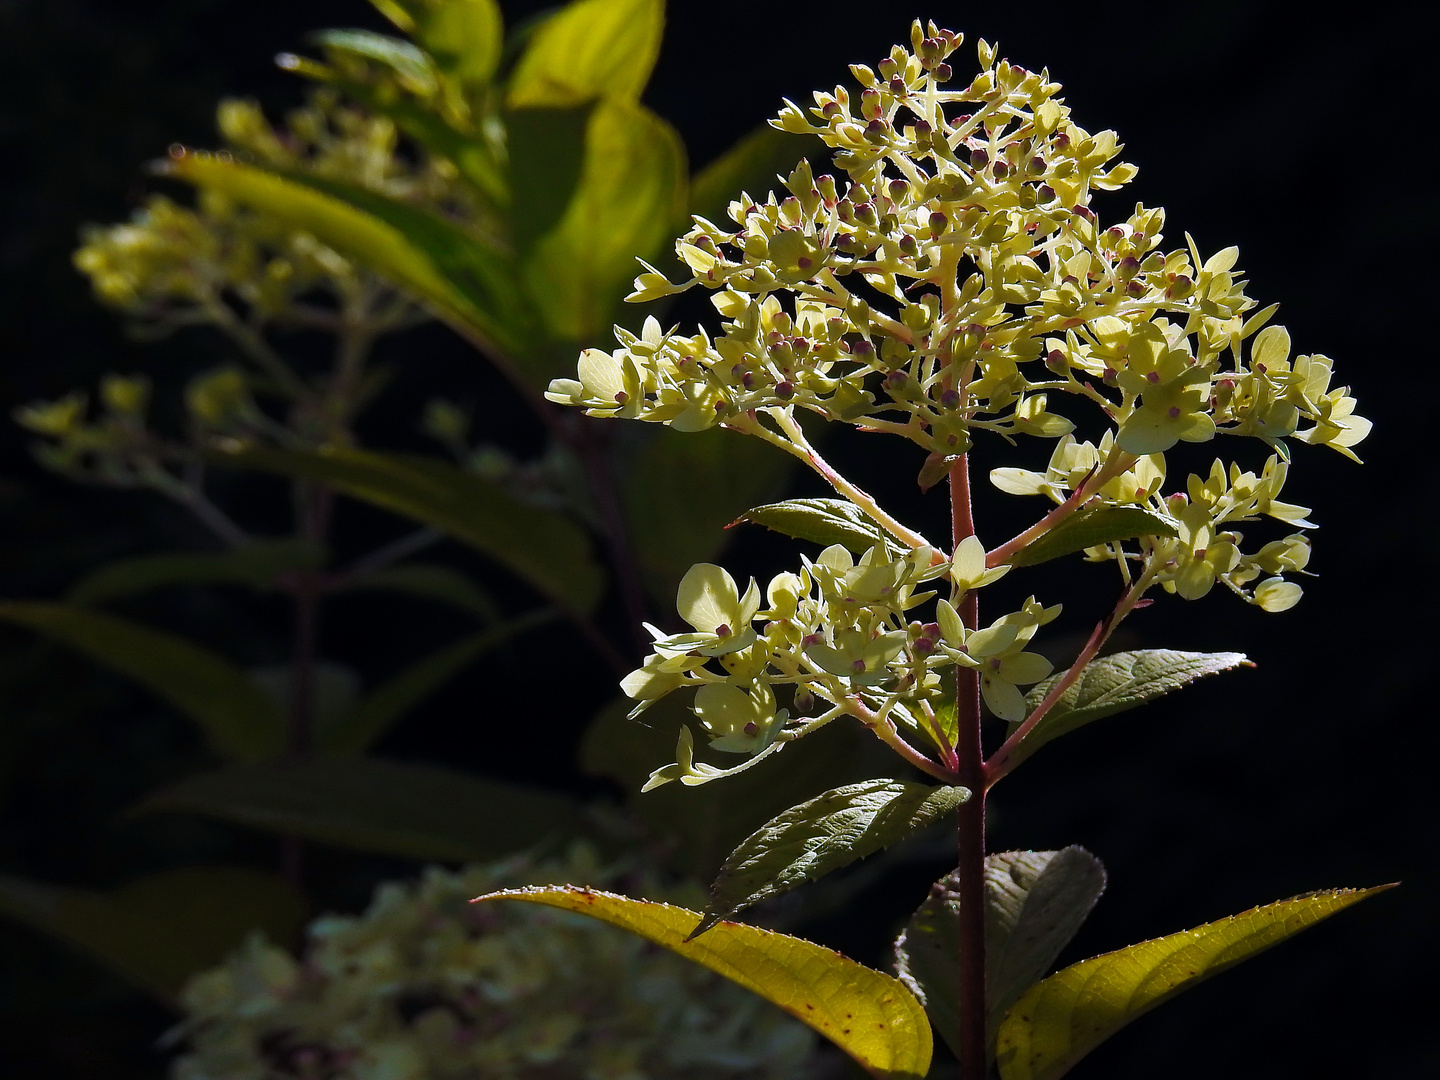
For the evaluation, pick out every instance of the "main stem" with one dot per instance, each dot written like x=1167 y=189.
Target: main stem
x=970 y=825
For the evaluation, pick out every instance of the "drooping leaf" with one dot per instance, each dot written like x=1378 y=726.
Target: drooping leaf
x=159 y=930
x=426 y=256
x=1035 y=901
x=822 y=835
x=1091 y=528
x=753 y=164
x=370 y=804
x=465 y=38
x=699 y=826
x=411 y=65
x=866 y=1013
x=821 y=521
x=1114 y=683
x=548 y=550
x=680 y=489
x=256 y=565
x=237 y=716
x=432 y=581
x=589 y=49
x=1060 y=1020
x=631 y=191
x=377 y=711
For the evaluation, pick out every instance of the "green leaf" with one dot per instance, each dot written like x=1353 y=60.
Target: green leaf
x=679 y=490
x=547 y=158
x=159 y=930
x=699 y=826
x=411 y=66
x=256 y=565
x=1091 y=528
x=239 y=718
x=1114 y=683
x=369 y=804
x=1035 y=901
x=753 y=165
x=822 y=835
x=432 y=581
x=866 y=1013
x=589 y=49
x=465 y=38
x=545 y=548
x=378 y=710
x=822 y=521
x=432 y=259
x=631 y=191
x=1063 y=1018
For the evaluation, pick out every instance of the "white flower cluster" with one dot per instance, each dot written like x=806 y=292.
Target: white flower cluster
x=425 y=986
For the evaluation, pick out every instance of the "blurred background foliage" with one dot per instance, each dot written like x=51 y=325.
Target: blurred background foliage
x=473 y=670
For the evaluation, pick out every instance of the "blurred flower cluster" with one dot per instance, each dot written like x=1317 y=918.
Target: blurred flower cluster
x=425 y=986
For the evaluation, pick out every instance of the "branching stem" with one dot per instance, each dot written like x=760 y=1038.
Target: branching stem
x=1116 y=464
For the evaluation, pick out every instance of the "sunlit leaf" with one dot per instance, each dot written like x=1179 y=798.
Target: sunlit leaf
x=432 y=581
x=1091 y=528
x=238 y=717
x=377 y=711
x=158 y=930
x=821 y=521
x=412 y=66
x=256 y=565
x=370 y=804
x=1060 y=1020
x=545 y=548
x=631 y=191
x=822 y=835
x=867 y=1014
x=680 y=489
x=432 y=259
x=589 y=49
x=752 y=164
x=1035 y=901
x=1114 y=683
x=464 y=37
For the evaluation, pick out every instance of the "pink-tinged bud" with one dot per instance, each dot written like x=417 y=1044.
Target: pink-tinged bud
x=1152 y=376
x=748 y=380
x=924 y=645
x=1045 y=193
x=857 y=666
x=1174 y=412
x=950 y=398
x=1110 y=376
x=1000 y=170
x=942 y=73
x=922 y=127
x=908 y=247
x=1128 y=267
x=938 y=223
x=804 y=263
x=887 y=68
x=877 y=131
x=1135 y=289
x=723 y=630
x=979 y=158
x=830 y=110
x=863 y=350
x=1037 y=164
x=994 y=663
x=1084 y=212
x=895 y=381
x=804 y=701
x=1062 y=141
x=751 y=727
x=621 y=397
x=870 y=104
x=899 y=189
x=784 y=389
x=898 y=87
x=1057 y=358
x=811 y=639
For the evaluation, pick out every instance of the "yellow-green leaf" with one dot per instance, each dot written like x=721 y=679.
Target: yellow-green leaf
x=159 y=930
x=866 y=1013
x=589 y=49
x=631 y=191
x=240 y=719
x=545 y=548
x=370 y=804
x=1061 y=1019
x=464 y=37
x=821 y=521
x=432 y=259
x=1091 y=528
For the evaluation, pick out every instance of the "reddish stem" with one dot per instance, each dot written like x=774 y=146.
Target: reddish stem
x=970 y=824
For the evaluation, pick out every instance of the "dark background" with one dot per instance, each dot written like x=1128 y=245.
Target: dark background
x=1308 y=141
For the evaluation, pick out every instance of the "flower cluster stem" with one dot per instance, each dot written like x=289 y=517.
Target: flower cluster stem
x=970 y=823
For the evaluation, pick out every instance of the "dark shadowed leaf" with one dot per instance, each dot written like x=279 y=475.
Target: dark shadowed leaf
x=548 y=550
x=821 y=521
x=377 y=711
x=159 y=930
x=1035 y=901
x=256 y=565
x=432 y=581
x=866 y=1013
x=369 y=804
x=237 y=716
x=1114 y=683
x=1091 y=528
x=1063 y=1018
x=822 y=835
x=587 y=50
